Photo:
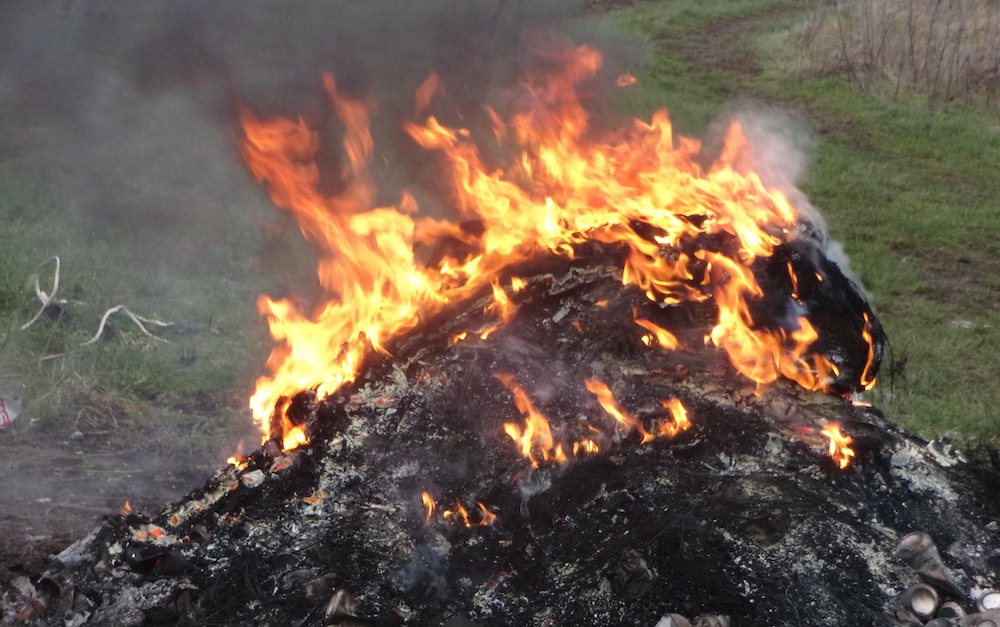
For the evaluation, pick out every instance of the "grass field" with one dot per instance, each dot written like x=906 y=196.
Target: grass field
x=184 y=379
x=912 y=193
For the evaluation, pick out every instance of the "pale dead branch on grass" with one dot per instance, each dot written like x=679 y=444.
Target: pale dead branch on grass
x=138 y=320
x=49 y=298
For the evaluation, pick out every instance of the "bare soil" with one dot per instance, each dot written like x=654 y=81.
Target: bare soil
x=57 y=489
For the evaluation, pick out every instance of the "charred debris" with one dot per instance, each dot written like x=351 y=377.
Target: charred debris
x=410 y=505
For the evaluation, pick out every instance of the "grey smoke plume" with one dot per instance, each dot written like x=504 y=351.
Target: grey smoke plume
x=781 y=149
x=132 y=105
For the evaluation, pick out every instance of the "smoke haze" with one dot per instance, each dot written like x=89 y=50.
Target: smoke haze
x=132 y=106
x=123 y=116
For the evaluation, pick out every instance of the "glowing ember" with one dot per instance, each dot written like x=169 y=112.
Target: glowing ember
x=839 y=450
x=314 y=499
x=640 y=189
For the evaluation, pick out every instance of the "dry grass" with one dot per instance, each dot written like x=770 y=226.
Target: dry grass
x=947 y=51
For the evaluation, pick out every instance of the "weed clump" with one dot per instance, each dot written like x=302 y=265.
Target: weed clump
x=944 y=51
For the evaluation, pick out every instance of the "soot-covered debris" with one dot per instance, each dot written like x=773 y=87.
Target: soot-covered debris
x=413 y=503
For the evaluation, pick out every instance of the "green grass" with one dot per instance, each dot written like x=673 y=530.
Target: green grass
x=912 y=194
x=191 y=379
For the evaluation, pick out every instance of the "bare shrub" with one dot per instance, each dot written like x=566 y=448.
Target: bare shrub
x=947 y=51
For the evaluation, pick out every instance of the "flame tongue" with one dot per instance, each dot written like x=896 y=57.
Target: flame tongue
x=638 y=189
x=535 y=439
x=839 y=449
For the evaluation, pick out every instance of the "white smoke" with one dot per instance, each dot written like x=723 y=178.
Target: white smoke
x=781 y=148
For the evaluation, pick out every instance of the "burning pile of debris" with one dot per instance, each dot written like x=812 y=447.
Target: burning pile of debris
x=411 y=505
x=519 y=417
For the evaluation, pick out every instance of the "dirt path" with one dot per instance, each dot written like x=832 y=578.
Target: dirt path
x=55 y=491
x=725 y=46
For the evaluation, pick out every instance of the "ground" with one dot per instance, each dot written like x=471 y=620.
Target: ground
x=56 y=491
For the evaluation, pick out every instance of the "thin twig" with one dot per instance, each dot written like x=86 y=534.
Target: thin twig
x=42 y=296
x=138 y=320
x=58 y=355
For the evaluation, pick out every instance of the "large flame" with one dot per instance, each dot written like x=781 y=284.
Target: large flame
x=564 y=187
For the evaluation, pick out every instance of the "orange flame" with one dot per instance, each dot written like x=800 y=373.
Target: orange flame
x=625 y=80
x=664 y=338
x=760 y=354
x=616 y=411
x=867 y=379
x=839 y=451
x=488 y=517
x=679 y=415
x=426 y=92
x=428 y=501
x=501 y=305
x=237 y=459
x=535 y=439
x=460 y=516
x=563 y=188
x=585 y=447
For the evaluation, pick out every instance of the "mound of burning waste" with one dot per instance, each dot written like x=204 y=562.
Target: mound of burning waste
x=653 y=485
